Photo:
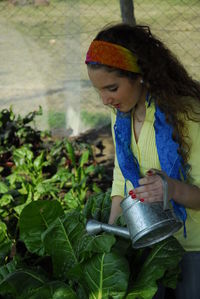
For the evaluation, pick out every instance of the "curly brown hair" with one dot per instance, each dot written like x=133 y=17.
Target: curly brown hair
x=171 y=87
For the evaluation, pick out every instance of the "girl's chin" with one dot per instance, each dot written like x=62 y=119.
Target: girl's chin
x=125 y=110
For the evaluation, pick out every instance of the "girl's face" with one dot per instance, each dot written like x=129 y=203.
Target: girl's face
x=118 y=92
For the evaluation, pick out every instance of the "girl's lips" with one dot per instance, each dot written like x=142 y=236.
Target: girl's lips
x=117 y=106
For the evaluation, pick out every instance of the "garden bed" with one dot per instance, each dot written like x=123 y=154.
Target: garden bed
x=49 y=188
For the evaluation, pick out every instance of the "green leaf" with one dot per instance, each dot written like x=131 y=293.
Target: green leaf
x=72 y=244
x=84 y=158
x=18 y=209
x=144 y=293
x=5 y=242
x=22 y=155
x=54 y=290
x=96 y=189
x=71 y=153
x=163 y=256
x=95 y=244
x=5 y=249
x=171 y=277
x=106 y=275
x=66 y=234
x=38 y=162
x=34 y=220
x=31 y=115
x=89 y=169
x=5 y=199
x=7 y=269
x=3 y=188
x=45 y=188
x=62 y=175
x=71 y=201
x=3 y=232
x=24 y=283
x=19 y=282
x=98 y=207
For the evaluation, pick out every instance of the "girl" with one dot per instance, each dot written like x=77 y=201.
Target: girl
x=155 y=125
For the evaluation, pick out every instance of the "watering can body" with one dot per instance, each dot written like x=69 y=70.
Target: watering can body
x=147 y=223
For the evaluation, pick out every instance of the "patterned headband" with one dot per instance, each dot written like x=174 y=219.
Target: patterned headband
x=112 y=55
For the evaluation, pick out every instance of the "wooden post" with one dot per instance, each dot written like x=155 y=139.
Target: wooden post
x=127 y=12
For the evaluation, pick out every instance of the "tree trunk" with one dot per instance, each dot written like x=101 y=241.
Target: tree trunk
x=127 y=12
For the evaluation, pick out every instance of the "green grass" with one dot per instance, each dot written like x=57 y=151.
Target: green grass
x=56 y=120
x=94 y=120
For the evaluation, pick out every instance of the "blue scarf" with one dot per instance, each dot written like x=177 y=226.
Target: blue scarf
x=170 y=160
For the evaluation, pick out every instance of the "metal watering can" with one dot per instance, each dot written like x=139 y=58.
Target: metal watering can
x=147 y=224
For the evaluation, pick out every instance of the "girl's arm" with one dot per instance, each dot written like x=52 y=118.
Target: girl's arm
x=115 y=208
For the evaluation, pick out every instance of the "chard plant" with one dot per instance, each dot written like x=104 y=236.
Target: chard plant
x=46 y=197
x=61 y=260
x=16 y=131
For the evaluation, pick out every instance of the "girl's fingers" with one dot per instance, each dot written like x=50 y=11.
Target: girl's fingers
x=149 y=196
x=150 y=189
x=155 y=187
x=153 y=199
x=150 y=179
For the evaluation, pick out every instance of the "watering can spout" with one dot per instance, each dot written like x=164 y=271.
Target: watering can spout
x=94 y=227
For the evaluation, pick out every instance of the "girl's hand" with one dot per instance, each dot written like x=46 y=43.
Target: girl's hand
x=151 y=188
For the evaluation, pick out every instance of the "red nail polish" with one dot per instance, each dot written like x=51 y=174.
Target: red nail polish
x=133 y=196
x=131 y=192
x=142 y=199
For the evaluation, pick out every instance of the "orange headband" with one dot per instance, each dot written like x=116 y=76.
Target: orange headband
x=112 y=55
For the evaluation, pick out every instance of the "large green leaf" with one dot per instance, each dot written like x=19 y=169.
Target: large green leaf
x=71 y=244
x=106 y=276
x=7 y=269
x=21 y=282
x=163 y=257
x=24 y=283
x=59 y=246
x=95 y=244
x=34 y=220
x=53 y=290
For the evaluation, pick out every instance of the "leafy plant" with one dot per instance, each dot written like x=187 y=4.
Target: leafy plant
x=83 y=266
x=72 y=251
x=46 y=197
x=31 y=181
x=79 y=178
x=16 y=131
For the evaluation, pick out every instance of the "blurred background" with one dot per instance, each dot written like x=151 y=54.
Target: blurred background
x=43 y=45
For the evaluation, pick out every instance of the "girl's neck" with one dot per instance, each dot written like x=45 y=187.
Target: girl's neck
x=140 y=108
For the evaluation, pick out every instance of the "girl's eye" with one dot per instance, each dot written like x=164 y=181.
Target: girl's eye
x=113 y=89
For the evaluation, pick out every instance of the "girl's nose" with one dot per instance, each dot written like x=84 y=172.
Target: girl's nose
x=106 y=100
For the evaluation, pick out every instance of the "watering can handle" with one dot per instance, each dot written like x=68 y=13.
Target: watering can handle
x=165 y=189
